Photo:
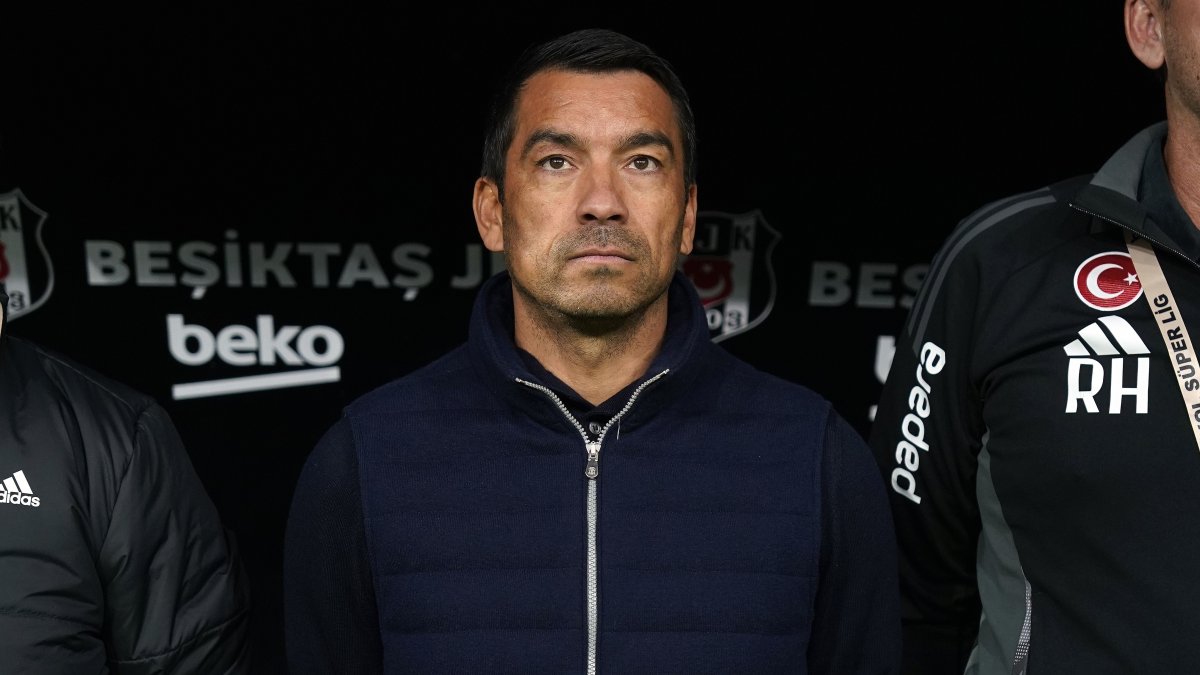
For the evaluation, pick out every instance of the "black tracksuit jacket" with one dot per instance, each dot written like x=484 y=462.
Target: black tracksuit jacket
x=1042 y=468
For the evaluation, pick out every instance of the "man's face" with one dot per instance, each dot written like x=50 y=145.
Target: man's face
x=595 y=209
x=1181 y=43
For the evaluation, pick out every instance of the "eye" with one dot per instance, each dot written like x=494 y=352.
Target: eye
x=554 y=163
x=644 y=163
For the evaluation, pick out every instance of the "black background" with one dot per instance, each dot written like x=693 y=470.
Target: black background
x=862 y=134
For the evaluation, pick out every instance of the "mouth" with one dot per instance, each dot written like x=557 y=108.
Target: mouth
x=608 y=255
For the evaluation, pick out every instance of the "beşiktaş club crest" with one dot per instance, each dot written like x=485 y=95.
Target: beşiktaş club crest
x=730 y=266
x=25 y=269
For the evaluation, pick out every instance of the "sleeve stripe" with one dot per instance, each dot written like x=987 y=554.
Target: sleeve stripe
x=971 y=221
x=919 y=318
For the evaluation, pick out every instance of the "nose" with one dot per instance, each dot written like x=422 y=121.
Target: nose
x=601 y=201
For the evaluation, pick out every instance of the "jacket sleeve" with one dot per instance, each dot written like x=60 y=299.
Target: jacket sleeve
x=177 y=599
x=926 y=437
x=331 y=624
x=857 y=613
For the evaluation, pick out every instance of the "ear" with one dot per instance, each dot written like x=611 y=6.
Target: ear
x=1143 y=31
x=489 y=214
x=689 y=222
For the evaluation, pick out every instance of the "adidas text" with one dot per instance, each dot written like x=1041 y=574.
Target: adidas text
x=17 y=499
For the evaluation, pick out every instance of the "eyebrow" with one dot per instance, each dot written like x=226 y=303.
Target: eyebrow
x=637 y=140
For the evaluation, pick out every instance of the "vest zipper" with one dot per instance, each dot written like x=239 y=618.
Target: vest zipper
x=592 y=473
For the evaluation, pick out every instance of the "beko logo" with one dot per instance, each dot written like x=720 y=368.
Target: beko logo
x=315 y=349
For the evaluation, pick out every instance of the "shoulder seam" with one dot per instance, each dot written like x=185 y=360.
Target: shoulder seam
x=92 y=378
x=981 y=221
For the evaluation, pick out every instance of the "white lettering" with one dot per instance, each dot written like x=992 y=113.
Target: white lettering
x=237 y=345
x=1085 y=381
x=415 y=272
x=265 y=344
x=906 y=454
x=875 y=285
x=362 y=265
x=1077 y=394
x=714 y=317
x=885 y=352
x=203 y=264
x=272 y=344
x=912 y=427
x=105 y=263
x=262 y=264
x=320 y=260
x=178 y=334
x=334 y=345
x=910 y=489
x=149 y=259
x=196 y=258
x=872 y=285
x=918 y=401
x=1141 y=392
x=933 y=358
x=829 y=285
x=17 y=499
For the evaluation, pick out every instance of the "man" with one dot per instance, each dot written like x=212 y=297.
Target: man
x=589 y=484
x=1038 y=428
x=112 y=557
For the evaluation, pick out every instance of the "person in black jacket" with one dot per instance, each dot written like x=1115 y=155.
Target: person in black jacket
x=113 y=559
x=1040 y=425
x=590 y=484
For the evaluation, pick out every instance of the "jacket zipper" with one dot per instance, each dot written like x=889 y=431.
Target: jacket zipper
x=1136 y=233
x=1021 y=656
x=592 y=473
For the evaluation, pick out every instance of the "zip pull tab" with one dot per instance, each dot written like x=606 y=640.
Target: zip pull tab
x=593 y=464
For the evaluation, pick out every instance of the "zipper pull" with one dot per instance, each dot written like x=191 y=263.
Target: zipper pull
x=593 y=463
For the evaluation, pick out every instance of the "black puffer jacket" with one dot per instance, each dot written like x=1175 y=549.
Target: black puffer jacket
x=112 y=556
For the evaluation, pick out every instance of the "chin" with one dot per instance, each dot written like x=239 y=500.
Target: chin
x=602 y=302
x=601 y=294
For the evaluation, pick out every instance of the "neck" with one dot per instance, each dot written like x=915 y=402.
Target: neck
x=595 y=363
x=1181 y=154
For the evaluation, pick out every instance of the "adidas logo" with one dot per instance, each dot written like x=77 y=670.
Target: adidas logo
x=1088 y=376
x=17 y=491
x=1094 y=337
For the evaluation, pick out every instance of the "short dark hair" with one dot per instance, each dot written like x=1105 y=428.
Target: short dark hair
x=590 y=50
